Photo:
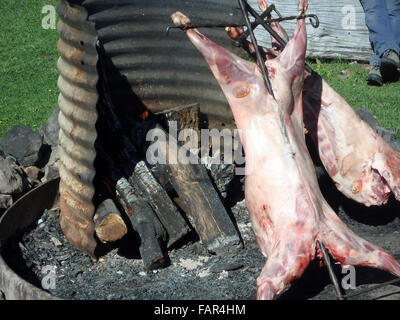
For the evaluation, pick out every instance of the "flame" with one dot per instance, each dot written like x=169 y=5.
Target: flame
x=107 y=182
x=144 y=115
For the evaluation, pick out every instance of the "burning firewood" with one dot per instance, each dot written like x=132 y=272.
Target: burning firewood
x=186 y=117
x=161 y=203
x=200 y=200
x=144 y=221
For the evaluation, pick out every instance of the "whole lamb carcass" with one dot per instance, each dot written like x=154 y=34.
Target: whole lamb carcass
x=287 y=210
x=361 y=163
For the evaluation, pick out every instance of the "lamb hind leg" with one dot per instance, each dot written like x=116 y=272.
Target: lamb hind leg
x=286 y=263
x=350 y=249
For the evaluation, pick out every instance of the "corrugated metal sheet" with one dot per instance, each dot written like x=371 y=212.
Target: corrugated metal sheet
x=77 y=100
x=162 y=71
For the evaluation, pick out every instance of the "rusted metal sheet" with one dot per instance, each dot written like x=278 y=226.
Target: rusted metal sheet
x=163 y=72
x=17 y=218
x=77 y=100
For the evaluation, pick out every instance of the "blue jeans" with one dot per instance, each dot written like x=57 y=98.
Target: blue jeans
x=382 y=18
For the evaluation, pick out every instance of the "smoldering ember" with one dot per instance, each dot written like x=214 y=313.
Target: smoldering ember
x=190 y=173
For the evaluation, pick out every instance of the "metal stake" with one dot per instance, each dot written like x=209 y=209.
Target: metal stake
x=330 y=270
x=244 y=6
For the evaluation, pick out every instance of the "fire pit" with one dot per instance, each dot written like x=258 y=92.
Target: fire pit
x=38 y=245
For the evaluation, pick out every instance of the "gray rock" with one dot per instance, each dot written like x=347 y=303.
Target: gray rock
x=54 y=157
x=386 y=134
x=6 y=201
x=11 y=160
x=50 y=129
x=367 y=116
x=32 y=172
x=23 y=144
x=50 y=173
x=11 y=178
x=395 y=145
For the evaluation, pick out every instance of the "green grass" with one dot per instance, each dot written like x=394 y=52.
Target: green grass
x=383 y=102
x=28 y=57
x=28 y=74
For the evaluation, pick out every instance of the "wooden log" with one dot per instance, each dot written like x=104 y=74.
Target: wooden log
x=161 y=203
x=108 y=223
x=144 y=221
x=186 y=117
x=203 y=205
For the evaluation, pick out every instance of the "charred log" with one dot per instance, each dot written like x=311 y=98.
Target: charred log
x=200 y=200
x=150 y=231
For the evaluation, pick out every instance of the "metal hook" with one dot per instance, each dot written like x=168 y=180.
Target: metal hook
x=314 y=20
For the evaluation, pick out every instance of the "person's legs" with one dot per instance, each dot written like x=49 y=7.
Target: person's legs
x=384 y=61
x=379 y=27
x=393 y=8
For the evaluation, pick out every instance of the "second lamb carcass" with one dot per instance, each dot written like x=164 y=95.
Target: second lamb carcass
x=286 y=208
x=363 y=166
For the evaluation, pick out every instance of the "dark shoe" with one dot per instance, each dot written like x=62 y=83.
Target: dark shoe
x=389 y=65
x=374 y=77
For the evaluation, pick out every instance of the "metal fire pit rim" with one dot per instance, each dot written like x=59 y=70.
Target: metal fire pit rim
x=12 y=286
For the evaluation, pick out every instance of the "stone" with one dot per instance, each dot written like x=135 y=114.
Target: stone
x=11 y=160
x=50 y=129
x=395 y=145
x=386 y=134
x=54 y=157
x=50 y=173
x=23 y=144
x=367 y=116
x=32 y=173
x=11 y=178
x=6 y=201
